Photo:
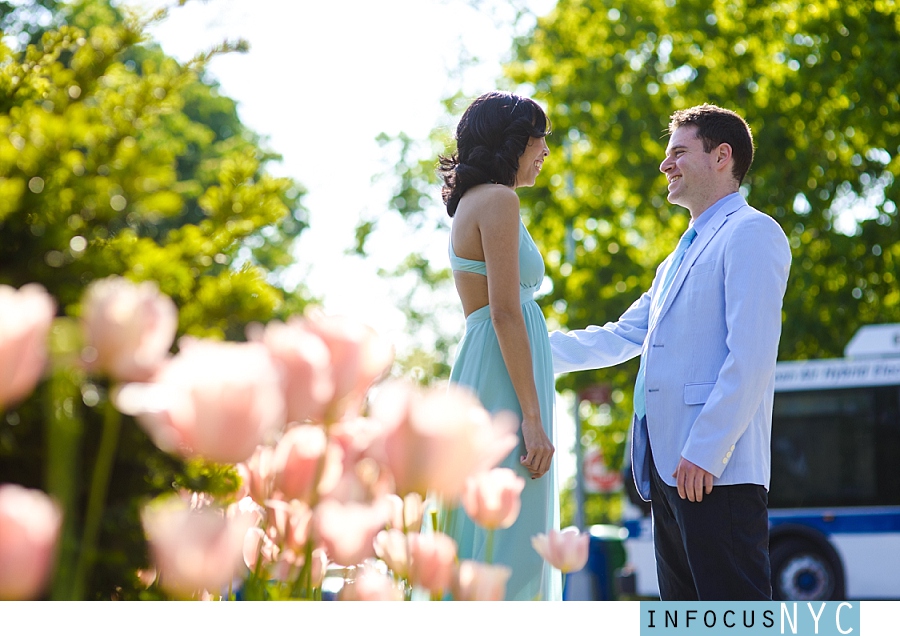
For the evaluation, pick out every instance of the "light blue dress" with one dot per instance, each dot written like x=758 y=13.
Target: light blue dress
x=479 y=365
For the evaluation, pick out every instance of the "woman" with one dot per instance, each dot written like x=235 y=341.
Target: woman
x=505 y=353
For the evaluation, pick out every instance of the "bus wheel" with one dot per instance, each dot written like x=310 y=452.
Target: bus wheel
x=801 y=572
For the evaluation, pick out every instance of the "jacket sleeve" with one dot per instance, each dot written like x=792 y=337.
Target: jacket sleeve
x=756 y=267
x=598 y=347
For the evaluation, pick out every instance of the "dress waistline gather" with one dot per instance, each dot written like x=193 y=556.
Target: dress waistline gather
x=526 y=294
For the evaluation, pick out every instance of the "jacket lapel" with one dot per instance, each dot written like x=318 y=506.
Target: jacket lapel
x=696 y=249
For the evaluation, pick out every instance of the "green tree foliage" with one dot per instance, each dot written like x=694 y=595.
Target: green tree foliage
x=818 y=84
x=116 y=159
x=24 y=22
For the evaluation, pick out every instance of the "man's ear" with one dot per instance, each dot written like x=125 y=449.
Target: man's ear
x=723 y=154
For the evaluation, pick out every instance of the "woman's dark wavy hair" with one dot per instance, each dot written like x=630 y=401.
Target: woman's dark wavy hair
x=491 y=136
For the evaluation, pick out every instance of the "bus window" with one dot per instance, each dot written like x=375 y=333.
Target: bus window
x=833 y=448
x=887 y=444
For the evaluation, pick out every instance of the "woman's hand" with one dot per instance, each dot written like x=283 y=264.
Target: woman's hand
x=538 y=448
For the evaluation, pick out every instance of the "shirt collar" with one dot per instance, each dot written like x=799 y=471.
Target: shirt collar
x=706 y=217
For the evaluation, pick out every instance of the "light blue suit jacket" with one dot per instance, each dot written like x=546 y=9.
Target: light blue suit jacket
x=710 y=351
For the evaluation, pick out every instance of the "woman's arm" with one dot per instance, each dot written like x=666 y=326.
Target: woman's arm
x=499 y=226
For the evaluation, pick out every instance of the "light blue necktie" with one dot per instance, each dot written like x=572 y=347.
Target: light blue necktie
x=640 y=407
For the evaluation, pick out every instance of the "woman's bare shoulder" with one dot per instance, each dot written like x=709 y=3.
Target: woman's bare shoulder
x=490 y=199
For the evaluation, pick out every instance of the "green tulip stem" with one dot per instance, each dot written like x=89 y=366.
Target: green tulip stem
x=443 y=520
x=106 y=455
x=489 y=549
x=64 y=442
x=303 y=583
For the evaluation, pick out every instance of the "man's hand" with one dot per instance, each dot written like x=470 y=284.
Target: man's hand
x=692 y=481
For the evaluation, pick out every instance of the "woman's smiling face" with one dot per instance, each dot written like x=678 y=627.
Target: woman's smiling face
x=531 y=161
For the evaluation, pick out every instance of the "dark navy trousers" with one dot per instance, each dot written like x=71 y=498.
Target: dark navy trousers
x=713 y=550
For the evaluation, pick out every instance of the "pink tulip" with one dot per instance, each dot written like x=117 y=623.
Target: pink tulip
x=279 y=564
x=407 y=512
x=217 y=400
x=246 y=506
x=25 y=319
x=29 y=530
x=243 y=472
x=258 y=546
x=391 y=547
x=358 y=358
x=437 y=438
x=258 y=472
x=476 y=581
x=413 y=511
x=129 y=328
x=395 y=519
x=319 y=567
x=364 y=477
x=432 y=559
x=306 y=362
x=347 y=530
x=566 y=550
x=493 y=499
x=289 y=524
x=194 y=550
x=371 y=585
x=305 y=464
x=146 y=577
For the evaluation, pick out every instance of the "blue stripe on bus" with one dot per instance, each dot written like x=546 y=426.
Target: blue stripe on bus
x=827 y=522
x=876 y=521
x=634 y=528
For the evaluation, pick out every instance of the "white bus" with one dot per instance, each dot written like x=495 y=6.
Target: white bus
x=834 y=500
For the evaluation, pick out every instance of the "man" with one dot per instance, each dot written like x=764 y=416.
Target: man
x=707 y=332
